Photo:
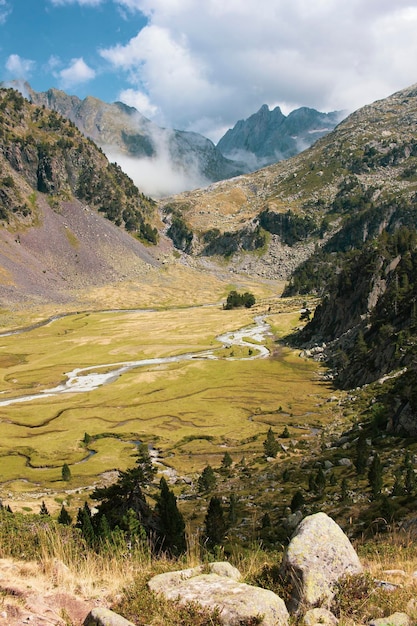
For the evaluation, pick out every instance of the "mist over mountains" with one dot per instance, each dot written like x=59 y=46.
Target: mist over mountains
x=164 y=161
x=267 y=137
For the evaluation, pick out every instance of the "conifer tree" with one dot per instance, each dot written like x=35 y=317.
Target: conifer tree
x=207 y=480
x=127 y=493
x=103 y=529
x=84 y=523
x=285 y=433
x=297 y=501
x=375 y=476
x=320 y=482
x=66 y=472
x=227 y=461
x=214 y=523
x=43 y=509
x=344 y=490
x=362 y=454
x=270 y=444
x=171 y=522
x=232 y=515
x=64 y=517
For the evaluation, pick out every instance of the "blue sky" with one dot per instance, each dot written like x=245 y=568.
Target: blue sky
x=203 y=64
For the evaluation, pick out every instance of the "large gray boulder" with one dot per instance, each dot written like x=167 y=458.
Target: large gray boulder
x=105 y=617
x=235 y=601
x=318 y=555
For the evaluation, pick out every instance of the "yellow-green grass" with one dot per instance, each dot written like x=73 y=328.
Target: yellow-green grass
x=191 y=411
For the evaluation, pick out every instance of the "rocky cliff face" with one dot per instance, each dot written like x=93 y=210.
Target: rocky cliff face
x=269 y=136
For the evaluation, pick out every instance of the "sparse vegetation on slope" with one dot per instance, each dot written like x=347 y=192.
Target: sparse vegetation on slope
x=53 y=158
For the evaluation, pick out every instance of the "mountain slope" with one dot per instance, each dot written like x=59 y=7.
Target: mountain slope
x=56 y=188
x=269 y=136
x=118 y=128
x=340 y=191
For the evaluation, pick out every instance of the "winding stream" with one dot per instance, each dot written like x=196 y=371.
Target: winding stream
x=81 y=380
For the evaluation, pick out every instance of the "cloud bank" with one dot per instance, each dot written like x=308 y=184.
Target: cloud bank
x=203 y=65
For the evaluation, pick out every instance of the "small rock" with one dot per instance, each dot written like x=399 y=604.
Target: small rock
x=396 y=619
x=105 y=617
x=345 y=462
x=395 y=572
x=319 y=616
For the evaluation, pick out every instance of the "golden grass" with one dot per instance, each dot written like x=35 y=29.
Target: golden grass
x=232 y=401
x=228 y=400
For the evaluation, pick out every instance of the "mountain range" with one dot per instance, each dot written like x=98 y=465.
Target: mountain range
x=164 y=161
x=269 y=136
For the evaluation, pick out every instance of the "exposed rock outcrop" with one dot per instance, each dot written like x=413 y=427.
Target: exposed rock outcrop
x=318 y=555
x=236 y=601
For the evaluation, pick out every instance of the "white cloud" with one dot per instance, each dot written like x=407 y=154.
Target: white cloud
x=83 y=3
x=77 y=72
x=19 y=67
x=140 y=101
x=203 y=65
x=161 y=175
x=5 y=10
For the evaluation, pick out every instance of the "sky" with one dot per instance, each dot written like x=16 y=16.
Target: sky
x=202 y=65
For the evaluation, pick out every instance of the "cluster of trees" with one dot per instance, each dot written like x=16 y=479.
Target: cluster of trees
x=123 y=513
x=237 y=300
x=290 y=227
x=228 y=243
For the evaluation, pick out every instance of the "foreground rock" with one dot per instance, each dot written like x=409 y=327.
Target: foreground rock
x=105 y=617
x=235 y=601
x=318 y=555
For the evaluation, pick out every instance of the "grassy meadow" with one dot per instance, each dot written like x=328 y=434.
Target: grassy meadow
x=191 y=412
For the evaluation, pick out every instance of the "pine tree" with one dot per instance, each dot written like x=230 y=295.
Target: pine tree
x=87 y=439
x=344 y=490
x=84 y=523
x=215 y=526
x=171 y=522
x=207 y=480
x=297 y=501
x=265 y=521
x=232 y=515
x=285 y=433
x=43 y=509
x=397 y=488
x=127 y=493
x=103 y=529
x=66 y=472
x=271 y=445
x=144 y=461
x=64 y=517
x=362 y=455
x=227 y=461
x=410 y=481
x=375 y=476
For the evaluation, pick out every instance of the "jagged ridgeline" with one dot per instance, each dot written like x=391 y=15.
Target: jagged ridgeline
x=49 y=153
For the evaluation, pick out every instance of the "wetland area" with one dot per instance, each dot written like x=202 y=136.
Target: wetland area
x=190 y=382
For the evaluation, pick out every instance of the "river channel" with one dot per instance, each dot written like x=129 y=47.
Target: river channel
x=81 y=380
